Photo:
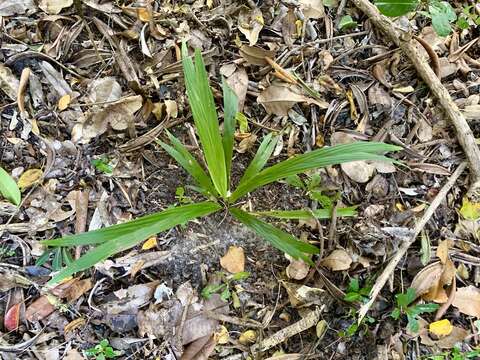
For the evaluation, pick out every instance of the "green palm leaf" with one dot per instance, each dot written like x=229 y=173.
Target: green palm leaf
x=121 y=237
x=230 y=108
x=308 y=214
x=180 y=153
x=313 y=160
x=278 y=238
x=205 y=118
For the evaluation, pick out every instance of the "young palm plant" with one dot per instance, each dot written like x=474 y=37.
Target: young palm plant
x=214 y=182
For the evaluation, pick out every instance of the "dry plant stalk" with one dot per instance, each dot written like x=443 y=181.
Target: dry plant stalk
x=406 y=43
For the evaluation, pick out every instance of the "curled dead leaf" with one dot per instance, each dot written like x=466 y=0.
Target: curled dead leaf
x=427 y=278
x=250 y=23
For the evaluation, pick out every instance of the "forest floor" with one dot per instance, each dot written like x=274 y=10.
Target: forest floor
x=103 y=79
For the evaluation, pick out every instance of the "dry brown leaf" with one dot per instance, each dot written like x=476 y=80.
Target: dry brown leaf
x=234 y=260
x=338 y=260
x=447 y=342
x=427 y=278
x=118 y=115
x=73 y=354
x=12 y=318
x=297 y=269
x=54 y=7
x=442 y=250
x=250 y=23
x=279 y=99
x=105 y=89
x=238 y=81
x=467 y=300
x=255 y=55
x=312 y=9
x=246 y=143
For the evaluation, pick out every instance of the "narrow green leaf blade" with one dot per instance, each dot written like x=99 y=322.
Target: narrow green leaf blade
x=140 y=228
x=205 y=117
x=313 y=160
x=264 y=152
x=278 y=238
x=396 y=7
x=127 y=236
x=230 y=108
x=9 y=188
x=180 y=153
x=308 y=214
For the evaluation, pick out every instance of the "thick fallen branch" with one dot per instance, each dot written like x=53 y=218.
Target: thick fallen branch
x=390 y=268
x=407 y=45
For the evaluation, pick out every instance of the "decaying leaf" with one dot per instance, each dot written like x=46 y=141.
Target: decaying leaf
x=442 y=250
x=105 y=89
x=467 y=300
x=456 y=335
x=150 y=243
x=338 y=260
x=297 y=269
x=234 y=260
x=118 y=115
x=250 y=23
x=278 y=99
x=64 y=101
x=54 y=7
x=302 y=295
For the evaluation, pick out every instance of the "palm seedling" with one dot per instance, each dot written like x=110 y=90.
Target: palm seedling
x=214 y=182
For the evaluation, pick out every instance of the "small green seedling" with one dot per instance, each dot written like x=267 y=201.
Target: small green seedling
x=455 y=354
x=180 y=196
x=468 y=18
x=357 y=293
x=354 y=326
x=441 y=13
x=224 y=288
x=213 y=181
x=6 y=251
x=346 y=23
x=102 y=165
x=102 y=351
x=404 y=306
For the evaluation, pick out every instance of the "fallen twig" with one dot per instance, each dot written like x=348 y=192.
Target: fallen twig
x=390 y=268
x=405 y=43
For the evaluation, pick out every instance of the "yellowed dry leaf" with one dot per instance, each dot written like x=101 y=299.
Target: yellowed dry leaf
x=29 y=178
x=234 y=260
x=337 y=260
x=255 y=55
x=441 y=327
x=221 y=336
x=64 y=101
x=247 y=337
x=467 y=300
x=150 y=243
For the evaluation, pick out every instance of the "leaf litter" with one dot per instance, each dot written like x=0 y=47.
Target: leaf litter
x=102 y=79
